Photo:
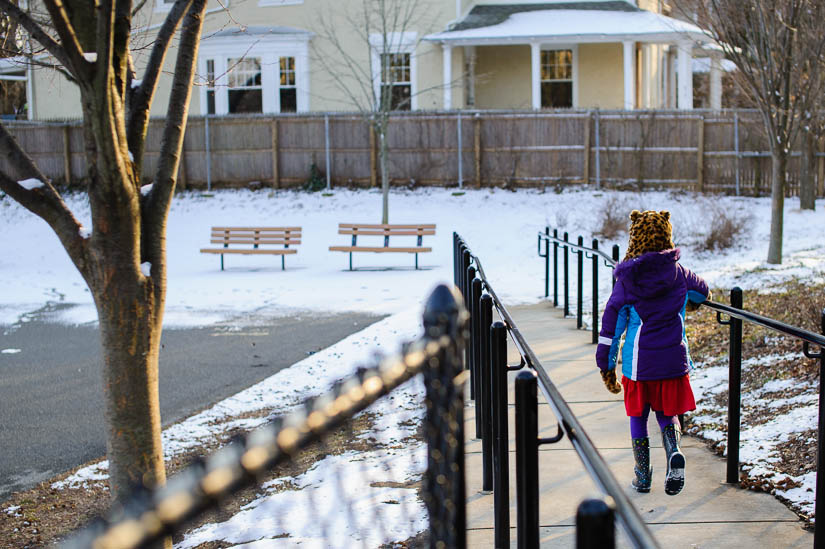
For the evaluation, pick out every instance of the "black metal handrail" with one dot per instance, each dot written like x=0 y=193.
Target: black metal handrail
x=569 y=425
x=738 y=316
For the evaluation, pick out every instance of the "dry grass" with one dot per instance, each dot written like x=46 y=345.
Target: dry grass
x=725 y=230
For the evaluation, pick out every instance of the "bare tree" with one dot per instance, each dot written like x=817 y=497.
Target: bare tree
x=779 y=49
x=122 y=257
x=368 y=54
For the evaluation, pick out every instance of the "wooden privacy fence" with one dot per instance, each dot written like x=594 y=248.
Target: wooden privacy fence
x=700 y=150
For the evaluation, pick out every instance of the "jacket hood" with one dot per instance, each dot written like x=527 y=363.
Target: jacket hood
x=650 y=274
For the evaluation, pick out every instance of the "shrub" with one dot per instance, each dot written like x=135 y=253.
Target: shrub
x=725 y=228
x=316 y=181
x=613 y=219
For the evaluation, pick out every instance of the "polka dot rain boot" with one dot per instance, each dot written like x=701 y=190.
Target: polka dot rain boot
x=675 y=480
x=643 y=470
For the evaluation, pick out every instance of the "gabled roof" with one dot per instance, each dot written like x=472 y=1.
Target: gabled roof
x=493 y=14
x=566 y=22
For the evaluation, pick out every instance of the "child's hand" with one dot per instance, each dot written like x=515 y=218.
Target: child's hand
x=609 y=378
x=692 y=306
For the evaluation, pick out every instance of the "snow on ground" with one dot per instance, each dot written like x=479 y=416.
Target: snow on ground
x=501 y=228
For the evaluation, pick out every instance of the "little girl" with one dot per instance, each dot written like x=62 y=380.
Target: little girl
x=648 y=302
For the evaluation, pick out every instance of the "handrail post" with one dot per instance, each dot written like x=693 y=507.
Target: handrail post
x=455 y=259
x=501 y=468
x=475 y=369
x=595 y=525
x=595 y=322
x=485 y=378
x=819 y=504
x=566 y=281
x=547 y=263
x=734 y=388
x=555 y=269
x=615 y=260
x=465 y=293
x=527 y=460
x=579 y=284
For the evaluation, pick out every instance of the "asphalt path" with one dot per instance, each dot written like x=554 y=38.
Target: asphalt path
x=51 y=407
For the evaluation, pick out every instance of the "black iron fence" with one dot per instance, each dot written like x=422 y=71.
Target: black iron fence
x=153 y=515
x=737 y=316
x=486 y=358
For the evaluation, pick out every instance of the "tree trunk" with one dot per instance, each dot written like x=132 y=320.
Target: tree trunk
x=807 y=182
x=779 y=160
x=385 y=176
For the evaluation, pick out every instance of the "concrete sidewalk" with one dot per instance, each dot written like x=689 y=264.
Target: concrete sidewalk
x=708 y=513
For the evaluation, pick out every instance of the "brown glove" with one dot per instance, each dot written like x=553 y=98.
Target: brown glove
x=692 y=306
x=609 y=378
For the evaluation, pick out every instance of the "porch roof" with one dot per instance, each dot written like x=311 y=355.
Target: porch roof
x=566 y=23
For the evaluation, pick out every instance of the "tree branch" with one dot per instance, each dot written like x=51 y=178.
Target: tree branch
x=43 y=201
x=156 y=203
x=77 y=64
x=36 y=32
x=140 y=103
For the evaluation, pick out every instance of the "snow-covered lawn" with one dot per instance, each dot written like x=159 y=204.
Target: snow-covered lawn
x=500 y=226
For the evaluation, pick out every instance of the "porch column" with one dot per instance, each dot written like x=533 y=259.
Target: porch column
x=448 y=76
x=684 y=60
x=715 y=83
x=629 y=75
x=535 y=71
x=470 y=85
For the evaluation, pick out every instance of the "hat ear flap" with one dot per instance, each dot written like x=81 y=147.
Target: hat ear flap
x=665 y=214
x=634 y=215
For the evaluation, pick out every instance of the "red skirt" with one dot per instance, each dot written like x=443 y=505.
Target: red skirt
x=671 y=396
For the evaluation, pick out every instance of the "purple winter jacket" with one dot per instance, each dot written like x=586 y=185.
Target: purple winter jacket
x=648 y=302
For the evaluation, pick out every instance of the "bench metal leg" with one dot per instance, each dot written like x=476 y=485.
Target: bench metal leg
x=350 y=261
x=283 y=267
x=221 y=261
x=416 y=262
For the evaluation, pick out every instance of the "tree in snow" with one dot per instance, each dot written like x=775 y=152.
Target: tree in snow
x=369 y=60
x=122 y=257
x=779 y=49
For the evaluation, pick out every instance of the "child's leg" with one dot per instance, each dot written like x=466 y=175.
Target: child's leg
x=671 y=436
x=641 y=451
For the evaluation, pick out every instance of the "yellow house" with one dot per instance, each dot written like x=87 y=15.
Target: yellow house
x=276 y=56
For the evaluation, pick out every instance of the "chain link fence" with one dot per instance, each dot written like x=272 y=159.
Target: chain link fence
x=377 y=461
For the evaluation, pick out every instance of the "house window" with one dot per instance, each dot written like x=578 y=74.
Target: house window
x=210 y=86
x=557 y=78
x=288 y=90
x=396 y=83
x=245 y=89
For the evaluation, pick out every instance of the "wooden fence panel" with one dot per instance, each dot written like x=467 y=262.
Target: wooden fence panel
x=723 y=152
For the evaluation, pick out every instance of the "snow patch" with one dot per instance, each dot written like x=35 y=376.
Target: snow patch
x=146 y=268
x=84 y=232
x=31 y=183
x=131 y=156
x=146 y=189
x=10 y=351
x=136 y=82
x=91 y=57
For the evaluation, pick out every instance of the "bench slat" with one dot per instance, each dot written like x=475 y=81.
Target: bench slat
x=257 y=229
x=386 y=226
x=270 y=251
x=386 y=232
x=247 y=240
x=377 y=249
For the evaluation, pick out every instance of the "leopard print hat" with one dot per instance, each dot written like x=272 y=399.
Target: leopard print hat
x=650 y=231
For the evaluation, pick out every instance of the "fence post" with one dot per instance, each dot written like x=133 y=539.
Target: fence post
x=615 y=260
x=598 y=148
x=485 y=386
x=736 y=147
x=579 y=284
x=734 y=388
x=586 y=158
x=445 y=497
x=700 y=157
x=373 y=159
x=566 y=281
x=67 y=154
x=276 y=172
x=595 y=322
x=326 y=150
x=547 y=263
x=527 y=461
x=501 y=467
x=555 y=269
x=460 y=151
x=208 y=154
x=477 y=147
x=595 y=525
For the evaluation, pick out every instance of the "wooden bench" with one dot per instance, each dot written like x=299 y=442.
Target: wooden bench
x=359 y=229
x=254 y=240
